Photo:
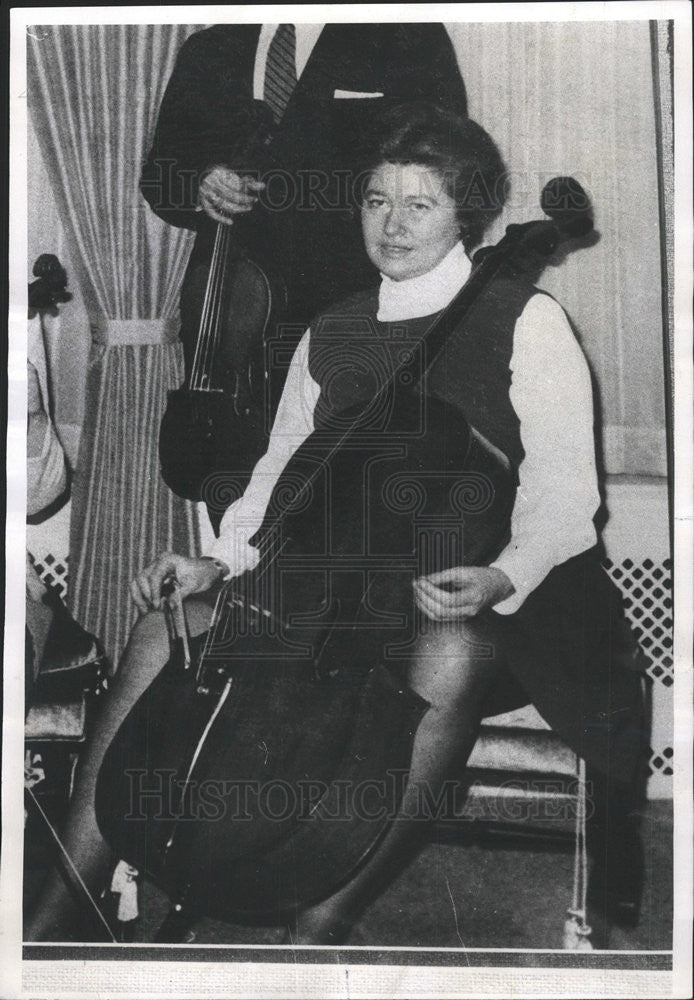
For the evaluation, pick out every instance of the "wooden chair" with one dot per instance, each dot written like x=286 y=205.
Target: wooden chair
x=525 y=787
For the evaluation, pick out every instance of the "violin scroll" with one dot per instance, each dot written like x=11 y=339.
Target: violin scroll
x=49 y=290
x=565 y=201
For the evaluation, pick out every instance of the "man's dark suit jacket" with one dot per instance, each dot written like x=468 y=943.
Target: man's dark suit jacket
x=208 y=117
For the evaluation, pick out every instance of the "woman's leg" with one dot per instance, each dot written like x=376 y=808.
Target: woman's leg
x=144 y=656
x=453 y=669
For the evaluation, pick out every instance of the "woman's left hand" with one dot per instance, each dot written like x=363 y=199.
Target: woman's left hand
x=461 y=592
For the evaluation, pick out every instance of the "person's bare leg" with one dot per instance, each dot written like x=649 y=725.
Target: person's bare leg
x=453 y=669
x=144 y=656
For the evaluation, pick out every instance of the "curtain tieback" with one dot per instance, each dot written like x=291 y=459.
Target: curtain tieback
x=137 y=332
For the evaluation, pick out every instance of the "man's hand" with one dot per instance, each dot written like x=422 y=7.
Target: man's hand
x=223 y=194
x=461 y=592
x=194 y=576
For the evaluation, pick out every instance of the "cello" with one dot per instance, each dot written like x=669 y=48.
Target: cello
x=217 y=419
x=224 y=781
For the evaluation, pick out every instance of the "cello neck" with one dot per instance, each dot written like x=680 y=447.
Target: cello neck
x=570 y=217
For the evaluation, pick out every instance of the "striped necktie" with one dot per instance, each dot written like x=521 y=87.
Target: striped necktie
x=280 y=71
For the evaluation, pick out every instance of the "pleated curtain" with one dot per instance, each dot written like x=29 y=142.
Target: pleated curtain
x=578 y=98
x=94 y=93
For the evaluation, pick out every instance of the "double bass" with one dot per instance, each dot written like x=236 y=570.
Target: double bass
x=226 y=782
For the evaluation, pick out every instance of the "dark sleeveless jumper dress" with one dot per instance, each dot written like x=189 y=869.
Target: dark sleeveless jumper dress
x=568 y=648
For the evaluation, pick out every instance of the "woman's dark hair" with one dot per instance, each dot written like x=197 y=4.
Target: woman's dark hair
x=457 y=148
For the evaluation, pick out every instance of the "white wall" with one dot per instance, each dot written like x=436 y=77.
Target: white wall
x=577 y=98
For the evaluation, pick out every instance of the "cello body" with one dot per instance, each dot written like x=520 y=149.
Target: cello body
x=217 y=420
x=230 y=302
x=264 y=779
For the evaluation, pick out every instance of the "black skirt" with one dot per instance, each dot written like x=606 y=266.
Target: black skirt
x=570 y=652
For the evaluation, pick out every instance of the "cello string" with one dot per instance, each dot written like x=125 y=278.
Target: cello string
x=216 y=280
x=269 y=539
x=216 y=283
x=215 y=626
x=198 y=750
x=202 y=331
x=210 y=311
x=195 y=374
x=476 y=282
x=232 y=586
x=216 y=304
x=479 y=276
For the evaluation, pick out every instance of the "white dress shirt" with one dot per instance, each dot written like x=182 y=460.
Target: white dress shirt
x=306 y=38
x=551 y=393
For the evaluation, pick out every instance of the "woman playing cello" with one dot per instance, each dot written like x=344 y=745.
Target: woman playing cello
x=540 y=623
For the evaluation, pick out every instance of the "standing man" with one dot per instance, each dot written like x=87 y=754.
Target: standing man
x=260 y=128
x=233 y=107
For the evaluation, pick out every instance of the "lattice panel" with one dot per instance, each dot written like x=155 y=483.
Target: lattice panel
x=661 y=763
x=647 y=590
x=53 y=571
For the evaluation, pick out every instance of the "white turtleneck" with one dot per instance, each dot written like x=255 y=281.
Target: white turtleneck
x=427 y=293
x=551 y=394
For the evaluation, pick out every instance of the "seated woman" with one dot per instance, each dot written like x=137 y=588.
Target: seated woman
x=542 y=622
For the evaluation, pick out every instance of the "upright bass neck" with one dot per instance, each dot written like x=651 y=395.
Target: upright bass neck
x=570 y=216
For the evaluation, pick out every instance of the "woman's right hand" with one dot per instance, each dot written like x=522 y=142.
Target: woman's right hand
x=193 y=575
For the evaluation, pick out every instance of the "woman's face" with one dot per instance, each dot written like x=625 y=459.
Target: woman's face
x=408 y=220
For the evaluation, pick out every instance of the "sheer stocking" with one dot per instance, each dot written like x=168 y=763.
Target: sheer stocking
x=454 y=668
